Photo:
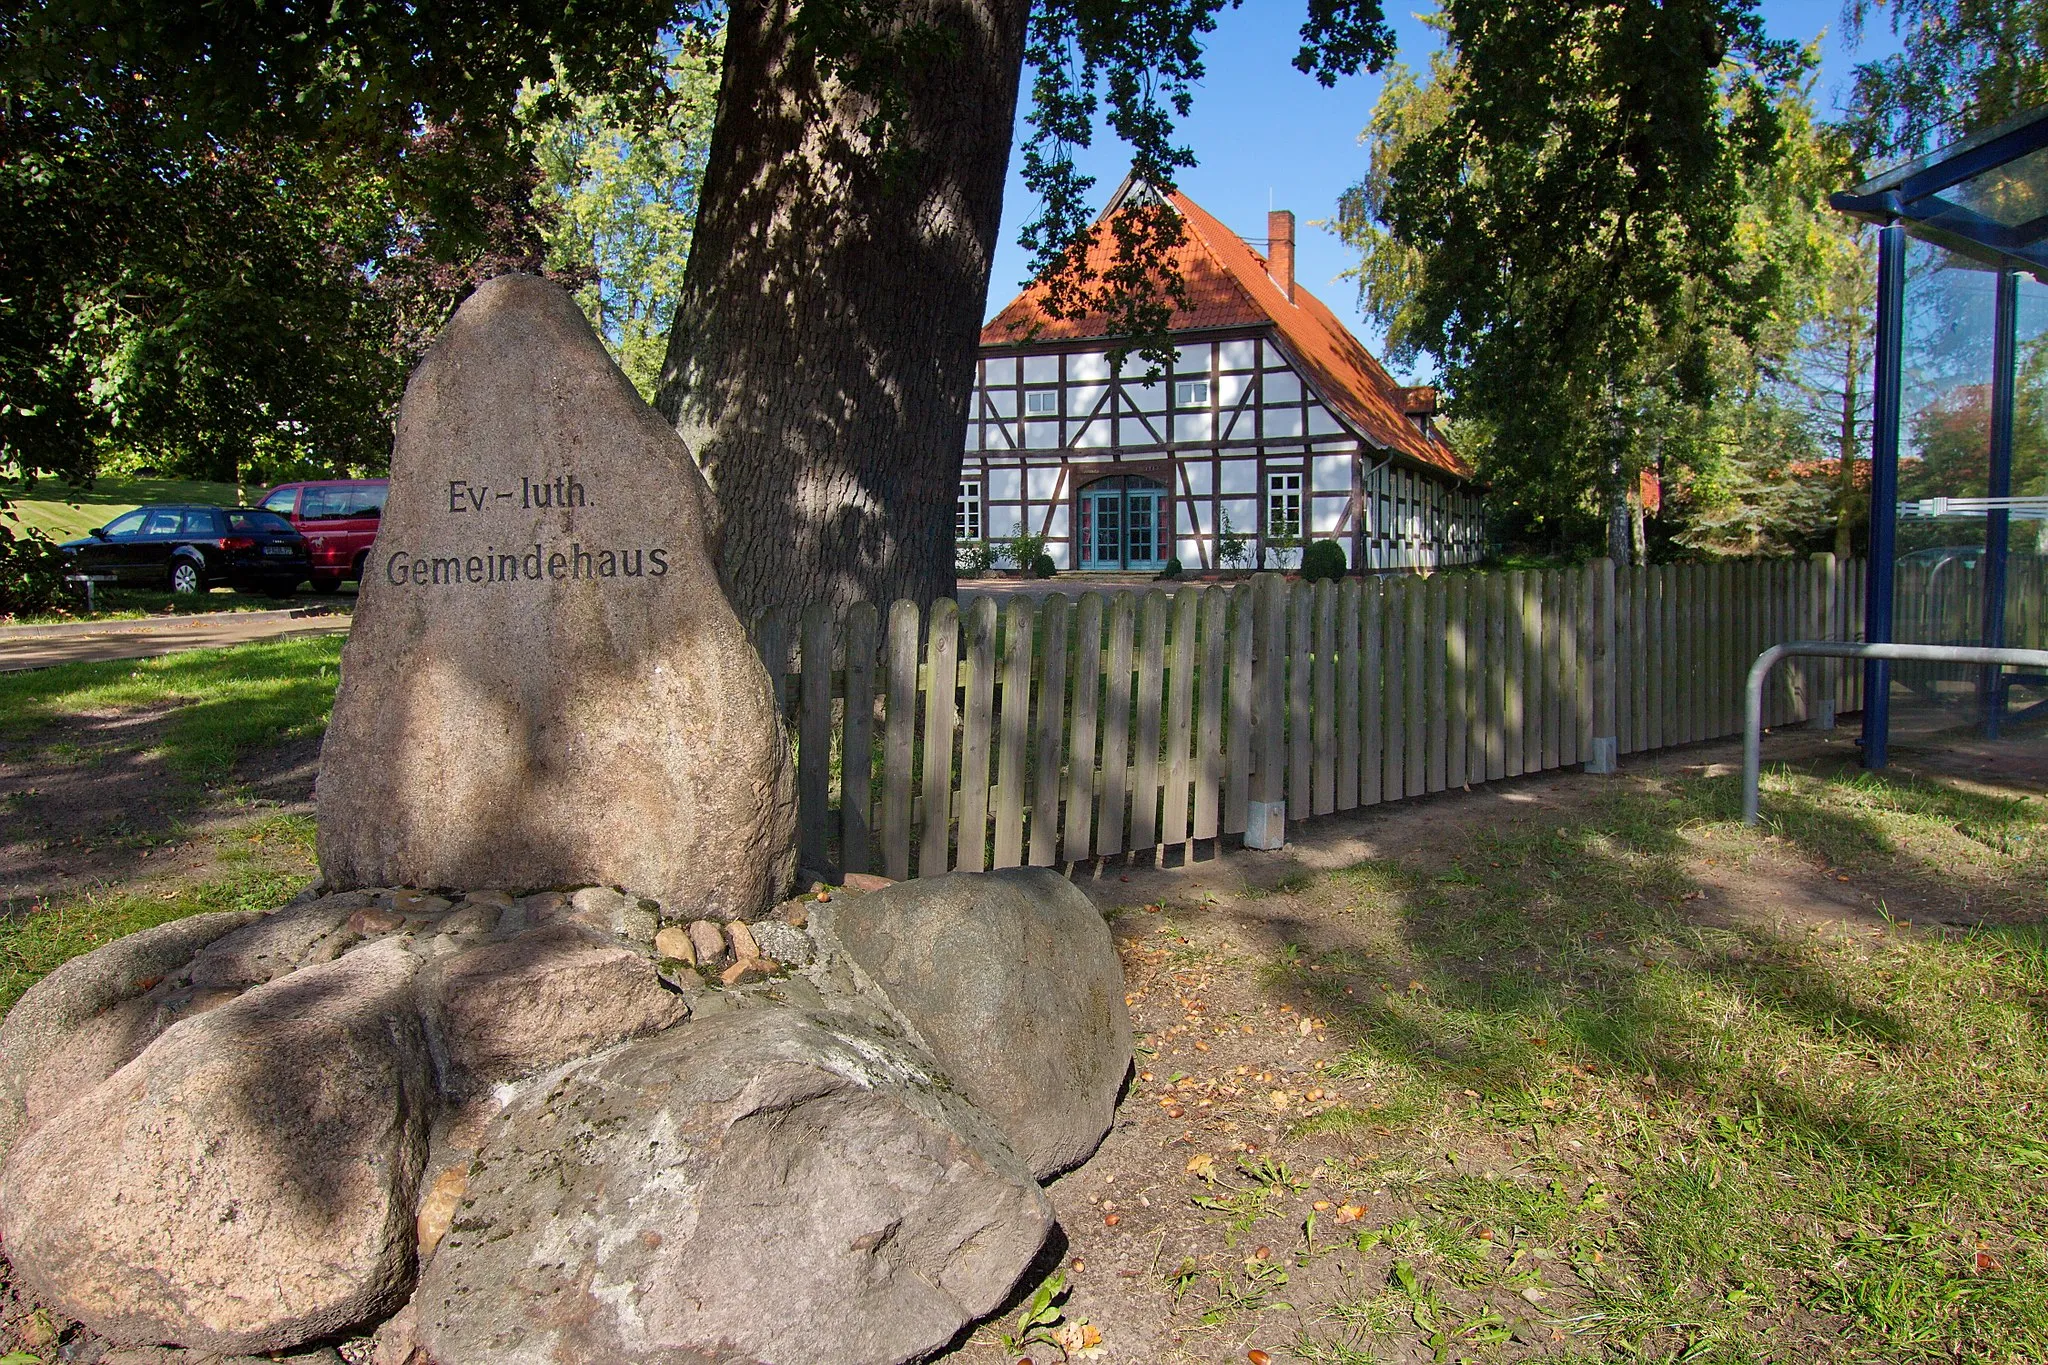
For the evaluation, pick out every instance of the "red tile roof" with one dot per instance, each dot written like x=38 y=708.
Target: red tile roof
x=1228 y=286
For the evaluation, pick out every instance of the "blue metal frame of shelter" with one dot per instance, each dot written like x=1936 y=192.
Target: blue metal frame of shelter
x=1927 y=199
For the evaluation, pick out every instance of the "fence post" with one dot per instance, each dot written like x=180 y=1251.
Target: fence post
x=1821 y=685
x=1265 y=820
x=1606 y=755
x=814 y=745
x=856 y=747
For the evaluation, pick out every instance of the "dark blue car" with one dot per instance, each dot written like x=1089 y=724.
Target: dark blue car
x=190 y=549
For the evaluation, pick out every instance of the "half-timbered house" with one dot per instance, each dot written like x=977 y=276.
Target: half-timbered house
x=1272 y=422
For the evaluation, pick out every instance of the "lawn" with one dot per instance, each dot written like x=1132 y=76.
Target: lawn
x=1612 y=1079
x=66 y=513
x=219 y=705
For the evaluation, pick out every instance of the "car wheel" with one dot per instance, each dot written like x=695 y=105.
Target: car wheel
x=356 y=569
x=185 y=577
x=326 y=583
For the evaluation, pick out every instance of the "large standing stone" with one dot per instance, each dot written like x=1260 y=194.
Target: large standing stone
x=545 y=684
x=248 y=1183
x=51 y=1013
x=1012 y=981
x=767 y=1186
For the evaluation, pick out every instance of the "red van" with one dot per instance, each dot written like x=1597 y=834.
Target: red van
x=338 y=518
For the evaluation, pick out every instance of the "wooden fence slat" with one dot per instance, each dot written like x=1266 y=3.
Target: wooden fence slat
x=899 y=740
x=1641 y=661
x=814 y=741
x=1300 y=670
x=1657 y=665
x=1180 y=707
x=1551 y=610
x=1210 y=724
x=1237 y=756
x=857 y=751
x=1415 y=654
x=1496 y=676
x=1457 y=679
x=1394 y=689
x=941 y=719
x=1323 y=725
x=1020 y=617
x=977 y=734
x=1152 y=614
x=1051 y=731
x=1436 y=685
x=1372 y=700
x=1079 y=843
x=1575 y=703
x=1116 y=727
x=1517 y=700
x=1474 y=593
x=1346 y=717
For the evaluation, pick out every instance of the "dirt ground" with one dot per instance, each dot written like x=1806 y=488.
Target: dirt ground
x=91 y=803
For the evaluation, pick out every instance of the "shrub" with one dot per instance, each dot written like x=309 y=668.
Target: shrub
x=1043 y=567
x=32 y=571
x=974 y=558
x=1172 y=569
x=1323 y=559
x=1023 y=549
x=1233 y=547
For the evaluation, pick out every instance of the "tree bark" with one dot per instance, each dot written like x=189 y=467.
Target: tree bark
x=824 y=344
x=1620 y=533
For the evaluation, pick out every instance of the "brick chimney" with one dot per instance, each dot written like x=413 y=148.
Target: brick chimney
x=1280 y=250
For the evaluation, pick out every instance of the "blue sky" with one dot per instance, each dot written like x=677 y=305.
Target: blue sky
x=1264 y=132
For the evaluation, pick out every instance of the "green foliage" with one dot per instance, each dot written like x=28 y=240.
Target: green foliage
x=32 y=571
x=621 y=179
x=1570 y=184
x=975 y=558
x=1022 y=549
x=1962 y=65
x=1042 y=566
x=1324 y=559
x=1172 y=569
x=1233 y=547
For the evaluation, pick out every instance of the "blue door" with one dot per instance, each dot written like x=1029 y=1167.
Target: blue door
x=1123 y=524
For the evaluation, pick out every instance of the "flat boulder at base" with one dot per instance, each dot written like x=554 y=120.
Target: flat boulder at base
x=247 y=1183
x=1012 y=981
x=768 y=1186
x=545 y=684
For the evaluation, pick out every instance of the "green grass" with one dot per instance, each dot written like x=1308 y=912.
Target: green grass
x=133 y=604
x=66 y=513
x=227 y=702
x=1738 y=1137
x=269 y=863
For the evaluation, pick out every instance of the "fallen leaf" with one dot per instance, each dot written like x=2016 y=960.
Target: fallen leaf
x=1278 y=1099
x=1350 y=1213
x=1320 y=1205
x=1203 y=1165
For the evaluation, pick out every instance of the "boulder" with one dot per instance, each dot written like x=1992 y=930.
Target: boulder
x=1011 y=980
x=770 y=1186
x=51 y=1012
x=611 y=911
x=285 y=939
x=545 y=684
x=248 y=1183
x=549 y=996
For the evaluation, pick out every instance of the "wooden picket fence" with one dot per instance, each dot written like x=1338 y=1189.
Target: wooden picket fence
x=1054 y=731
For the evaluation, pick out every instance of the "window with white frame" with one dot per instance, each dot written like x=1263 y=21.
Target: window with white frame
x=967 y=515
x=1191 y=393
x=1041 y=402
x=1283 y=504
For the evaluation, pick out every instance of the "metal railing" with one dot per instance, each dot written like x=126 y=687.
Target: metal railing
x=1753 y=700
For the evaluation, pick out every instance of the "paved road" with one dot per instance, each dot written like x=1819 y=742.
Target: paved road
x=84 y=641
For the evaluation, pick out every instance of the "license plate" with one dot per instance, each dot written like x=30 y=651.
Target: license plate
x=277 y=549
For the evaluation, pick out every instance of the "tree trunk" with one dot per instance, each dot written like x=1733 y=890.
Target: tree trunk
x=1620 y=532
x=1845 y=501
x=824 y=344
